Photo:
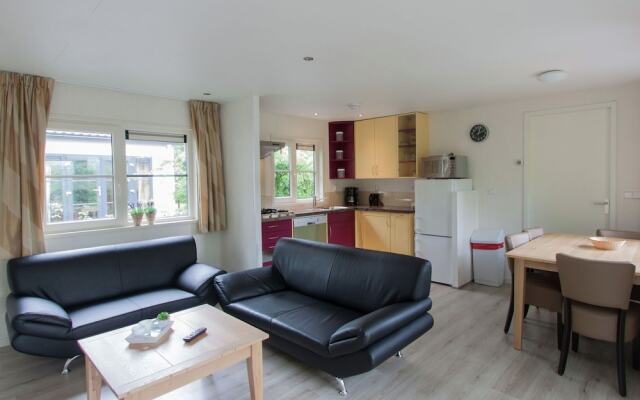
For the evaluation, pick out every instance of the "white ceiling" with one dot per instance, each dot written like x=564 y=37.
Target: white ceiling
x=389 y=55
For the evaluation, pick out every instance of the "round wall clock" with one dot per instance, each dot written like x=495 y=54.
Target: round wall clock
x=479 y=132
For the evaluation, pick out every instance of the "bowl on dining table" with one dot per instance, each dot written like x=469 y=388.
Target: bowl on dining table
x=607 y=243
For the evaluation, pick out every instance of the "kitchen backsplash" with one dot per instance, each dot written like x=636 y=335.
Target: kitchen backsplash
x=392 y=199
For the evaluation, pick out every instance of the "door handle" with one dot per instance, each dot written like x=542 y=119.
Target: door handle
x=604 y=203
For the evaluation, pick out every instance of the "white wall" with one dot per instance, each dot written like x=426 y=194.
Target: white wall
x=231 y=249
x=493 y=162
x=240 y=143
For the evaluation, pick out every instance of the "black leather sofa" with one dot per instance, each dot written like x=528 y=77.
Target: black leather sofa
x=57 y=298
x=338 y=309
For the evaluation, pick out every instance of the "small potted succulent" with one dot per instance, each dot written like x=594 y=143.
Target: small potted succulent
x=137 y=213
x=150 y=213
x=162 y=320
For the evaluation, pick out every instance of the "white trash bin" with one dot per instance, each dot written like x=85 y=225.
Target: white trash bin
x=487 y=246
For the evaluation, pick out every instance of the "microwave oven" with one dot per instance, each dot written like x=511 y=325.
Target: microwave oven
x=448 y=166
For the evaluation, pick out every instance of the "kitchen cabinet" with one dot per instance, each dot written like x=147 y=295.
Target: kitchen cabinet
x=385 y=231
x=386 y=142
x=342 y=228
x=402 y=234
x=341 y=150
x=390 y=147
x=365 y=148
x=272 y=231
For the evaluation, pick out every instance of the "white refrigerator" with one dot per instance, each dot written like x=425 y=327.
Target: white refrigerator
x=446 y=216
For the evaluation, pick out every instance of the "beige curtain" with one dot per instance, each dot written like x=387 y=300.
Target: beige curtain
x=205 y=121
x=24 y=109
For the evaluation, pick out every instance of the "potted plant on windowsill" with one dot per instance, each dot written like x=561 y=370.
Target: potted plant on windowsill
x=150 y=213
x=137 y=213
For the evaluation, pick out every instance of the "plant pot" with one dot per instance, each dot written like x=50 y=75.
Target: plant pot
x=151 y=218
x=137 y=220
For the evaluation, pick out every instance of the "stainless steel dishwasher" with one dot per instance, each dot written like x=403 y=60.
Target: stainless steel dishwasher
x=312 y=227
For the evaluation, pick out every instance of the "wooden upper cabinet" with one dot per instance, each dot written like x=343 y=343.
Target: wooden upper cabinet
x=391 y=147
x=386 y=135
x=365 y=152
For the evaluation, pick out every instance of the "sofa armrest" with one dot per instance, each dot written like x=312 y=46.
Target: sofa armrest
x=368 y=329
x=23 y=311
x=198 y=279
x=236 y=286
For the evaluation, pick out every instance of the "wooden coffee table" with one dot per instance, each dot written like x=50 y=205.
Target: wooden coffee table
x=144 y=372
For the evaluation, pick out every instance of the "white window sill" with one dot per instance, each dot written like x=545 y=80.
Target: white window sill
x=115 y=229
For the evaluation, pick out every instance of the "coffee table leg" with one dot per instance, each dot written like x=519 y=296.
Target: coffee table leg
x=254 y=368
x=94 y=380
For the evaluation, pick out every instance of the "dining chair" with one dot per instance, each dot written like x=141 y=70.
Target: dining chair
x=535 y=232
x=618 y=234
x=542 y=288
x=596 y=305
x=635 y=291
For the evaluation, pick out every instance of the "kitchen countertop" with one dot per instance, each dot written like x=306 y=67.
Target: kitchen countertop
x=317 y=210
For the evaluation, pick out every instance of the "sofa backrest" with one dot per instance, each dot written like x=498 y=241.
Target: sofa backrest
x=360 y=279
x=76 y=277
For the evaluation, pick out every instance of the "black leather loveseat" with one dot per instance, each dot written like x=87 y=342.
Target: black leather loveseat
x=338 y=309
x=60 y=297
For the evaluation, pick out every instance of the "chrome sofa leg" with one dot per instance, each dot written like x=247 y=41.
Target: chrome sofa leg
x=342 y=387
x=399 y=354
x=65 y=369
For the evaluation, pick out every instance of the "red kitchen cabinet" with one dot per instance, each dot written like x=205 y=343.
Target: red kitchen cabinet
x=272 y=231
x=342 y=228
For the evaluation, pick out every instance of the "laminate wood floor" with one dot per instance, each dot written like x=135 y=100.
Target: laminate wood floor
x=465 y=356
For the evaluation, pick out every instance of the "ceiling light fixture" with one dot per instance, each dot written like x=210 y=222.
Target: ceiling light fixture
x=552 y=75
x=360 y=115
x=307 y=58
x=315 y=114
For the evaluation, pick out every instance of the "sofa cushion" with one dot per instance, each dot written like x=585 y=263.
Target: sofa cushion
x=169 y=300
x=154 y=264
x=304 y=265
x=102 y=317
x=312 y=325
x=260 y=311
x=68 y=278
x=358 y=279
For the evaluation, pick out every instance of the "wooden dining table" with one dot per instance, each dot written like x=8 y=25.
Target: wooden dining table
x=540 y=254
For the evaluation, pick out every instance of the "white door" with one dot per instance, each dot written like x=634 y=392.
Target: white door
x=437 y=250
x=568 y=169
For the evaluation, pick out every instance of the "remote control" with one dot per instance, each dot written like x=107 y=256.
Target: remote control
x=194 y=334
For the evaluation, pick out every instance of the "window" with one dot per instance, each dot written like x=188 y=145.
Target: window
x=157 y=171
x=92 y=175
x=295 y=172
x=79 y=176
x=305 y=171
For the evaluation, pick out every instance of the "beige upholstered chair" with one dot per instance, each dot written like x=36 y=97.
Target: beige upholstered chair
x=635 y=292
x=542 y=288
x=596 y=305
x=534 y=232
x=618 y=234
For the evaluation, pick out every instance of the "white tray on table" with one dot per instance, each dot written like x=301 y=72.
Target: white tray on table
x=152 y=338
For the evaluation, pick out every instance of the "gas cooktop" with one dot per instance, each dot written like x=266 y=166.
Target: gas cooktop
x=275 y=213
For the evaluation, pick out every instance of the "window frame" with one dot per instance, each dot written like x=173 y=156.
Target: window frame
x=293 y=173
x=120 y=187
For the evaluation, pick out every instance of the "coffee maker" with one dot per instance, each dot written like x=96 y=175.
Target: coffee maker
x=351 y=196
